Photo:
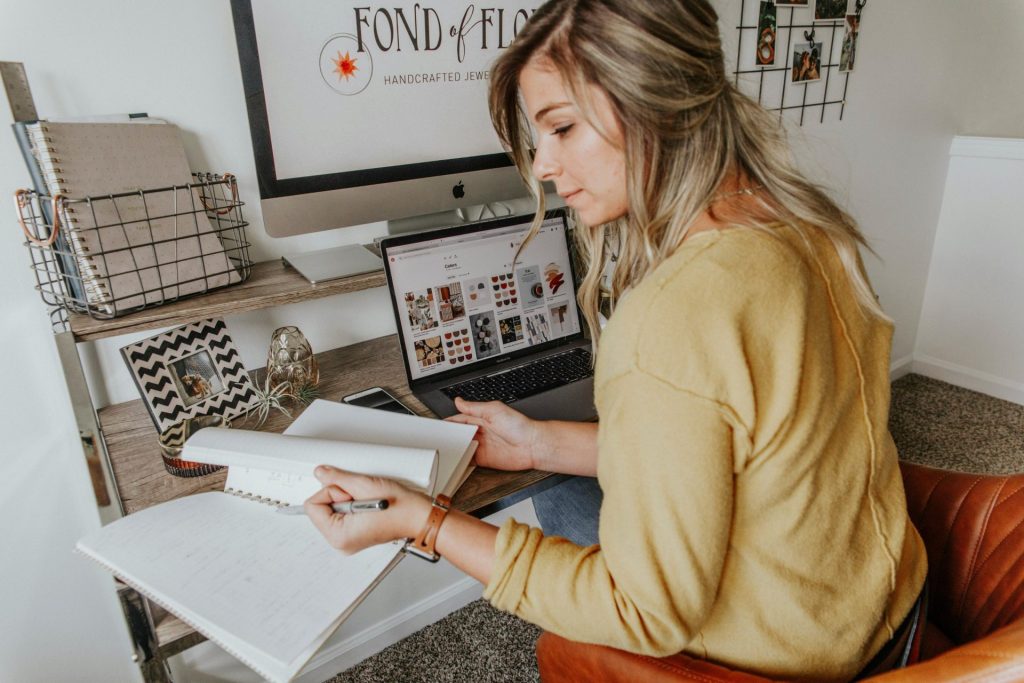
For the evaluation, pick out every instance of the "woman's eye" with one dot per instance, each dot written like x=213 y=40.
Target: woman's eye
x=562 y=130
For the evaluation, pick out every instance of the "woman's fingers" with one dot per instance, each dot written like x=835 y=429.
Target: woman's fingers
x=332 y=475
x=328 y=495
x=468 y=420
x=318 y=508
x=478 y=409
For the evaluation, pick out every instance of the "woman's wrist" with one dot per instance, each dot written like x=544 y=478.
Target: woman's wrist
x=419 y=505
x=540 y=446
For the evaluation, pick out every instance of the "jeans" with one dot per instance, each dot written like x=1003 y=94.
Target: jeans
x=571 y=510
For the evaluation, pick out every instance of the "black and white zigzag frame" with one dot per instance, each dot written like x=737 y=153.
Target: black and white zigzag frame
x=190 y=371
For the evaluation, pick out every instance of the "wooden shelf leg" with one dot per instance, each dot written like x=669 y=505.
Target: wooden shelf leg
x=140 y=624
x=88 y=428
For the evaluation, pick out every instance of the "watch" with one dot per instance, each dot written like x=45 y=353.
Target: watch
x=423 y=545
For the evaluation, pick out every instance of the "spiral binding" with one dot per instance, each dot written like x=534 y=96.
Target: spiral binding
x=264 y=500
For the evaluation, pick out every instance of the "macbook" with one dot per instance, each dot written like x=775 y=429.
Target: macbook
x=472 y=323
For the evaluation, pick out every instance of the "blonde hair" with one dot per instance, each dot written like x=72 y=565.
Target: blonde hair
x=685 y=130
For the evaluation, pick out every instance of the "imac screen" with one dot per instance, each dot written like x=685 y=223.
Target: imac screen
x=381 y=107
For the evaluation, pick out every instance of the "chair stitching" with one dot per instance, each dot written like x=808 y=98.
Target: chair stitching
x=978 y=569
x=983 y=609
x=949 y=538
x=1003 y=540
x=981 y=536
x=972 y=573
x=928 y=501
x=928 y=498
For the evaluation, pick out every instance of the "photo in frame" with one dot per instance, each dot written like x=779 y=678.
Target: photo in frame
x=792 y=3
x=806 y=62
x=848 y=55
x=831 y=10
x=766 y=33
x=190 y=371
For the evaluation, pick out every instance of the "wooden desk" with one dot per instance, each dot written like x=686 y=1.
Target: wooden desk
x=142 y=481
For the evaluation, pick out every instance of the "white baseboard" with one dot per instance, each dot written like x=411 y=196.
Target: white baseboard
x=968 y=378
x=900 y=367
x=349 y=652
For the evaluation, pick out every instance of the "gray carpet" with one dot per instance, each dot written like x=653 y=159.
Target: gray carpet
x=933 y=423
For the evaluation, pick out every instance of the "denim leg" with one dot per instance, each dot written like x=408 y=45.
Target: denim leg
x=570 y=510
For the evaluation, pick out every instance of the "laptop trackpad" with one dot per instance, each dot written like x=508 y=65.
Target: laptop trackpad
x=573 y=402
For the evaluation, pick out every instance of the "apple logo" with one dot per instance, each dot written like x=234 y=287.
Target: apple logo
x=459 y=191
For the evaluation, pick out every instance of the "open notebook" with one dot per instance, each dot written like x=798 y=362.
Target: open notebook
x=265 y=586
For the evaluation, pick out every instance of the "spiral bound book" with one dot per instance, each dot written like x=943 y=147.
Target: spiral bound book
x=130 y=251
x=264 y=586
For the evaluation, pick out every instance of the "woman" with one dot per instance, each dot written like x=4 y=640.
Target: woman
x=753 y=512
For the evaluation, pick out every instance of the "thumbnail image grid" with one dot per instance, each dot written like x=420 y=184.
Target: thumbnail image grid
x=422 y=312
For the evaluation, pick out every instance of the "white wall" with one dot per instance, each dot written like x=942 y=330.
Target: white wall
x=885 y=162
x=994 y=104
x=972 y=321
x=177 y=60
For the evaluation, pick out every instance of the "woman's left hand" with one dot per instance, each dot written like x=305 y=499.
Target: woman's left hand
x=406 y=514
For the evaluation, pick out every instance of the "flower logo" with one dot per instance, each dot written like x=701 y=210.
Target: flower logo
x=345 y=66
x=345 y=69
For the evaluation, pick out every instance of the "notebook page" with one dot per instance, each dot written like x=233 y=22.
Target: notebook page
x=282 y=454
x=281 y=596
x=453 y=441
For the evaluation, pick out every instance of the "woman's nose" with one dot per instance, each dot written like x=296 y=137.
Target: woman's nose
x=544 y=165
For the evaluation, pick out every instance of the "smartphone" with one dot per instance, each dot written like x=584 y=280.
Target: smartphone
x=376 y=397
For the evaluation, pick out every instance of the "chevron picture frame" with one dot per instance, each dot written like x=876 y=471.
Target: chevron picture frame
x=190 y=371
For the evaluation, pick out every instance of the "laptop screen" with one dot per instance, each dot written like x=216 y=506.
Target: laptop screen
x=459 y=300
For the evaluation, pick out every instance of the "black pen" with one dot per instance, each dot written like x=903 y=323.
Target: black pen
x=346 y=508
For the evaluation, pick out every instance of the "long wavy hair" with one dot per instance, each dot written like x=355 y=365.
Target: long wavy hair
x=686 y=129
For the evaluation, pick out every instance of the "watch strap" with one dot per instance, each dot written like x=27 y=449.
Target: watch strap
x=423 y=545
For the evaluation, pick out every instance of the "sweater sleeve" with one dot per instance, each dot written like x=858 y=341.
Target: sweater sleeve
x=666 y=470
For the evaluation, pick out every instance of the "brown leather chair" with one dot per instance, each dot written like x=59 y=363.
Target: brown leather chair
x=973 y=527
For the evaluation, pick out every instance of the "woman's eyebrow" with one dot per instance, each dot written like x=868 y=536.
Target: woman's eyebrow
x=548 y=109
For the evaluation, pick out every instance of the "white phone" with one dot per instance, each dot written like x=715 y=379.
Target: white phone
x=376 y=397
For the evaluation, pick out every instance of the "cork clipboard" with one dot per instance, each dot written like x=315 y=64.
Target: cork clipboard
x=139 y=250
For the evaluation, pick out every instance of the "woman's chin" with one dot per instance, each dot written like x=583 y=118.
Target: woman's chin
x=595 y=215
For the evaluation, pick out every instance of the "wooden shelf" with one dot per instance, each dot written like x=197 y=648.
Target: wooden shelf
x=270 y=284
x=139 y=473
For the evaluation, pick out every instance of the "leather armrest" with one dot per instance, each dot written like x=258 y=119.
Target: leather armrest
x=566 y=661
x=997 y=657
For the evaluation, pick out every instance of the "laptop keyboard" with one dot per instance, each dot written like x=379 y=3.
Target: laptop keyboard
x=526 y=380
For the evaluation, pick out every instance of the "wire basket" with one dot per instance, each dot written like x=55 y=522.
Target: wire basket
x=110 y=255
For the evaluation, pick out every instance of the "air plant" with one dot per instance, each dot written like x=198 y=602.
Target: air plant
x=269 y=398
x=306 y=393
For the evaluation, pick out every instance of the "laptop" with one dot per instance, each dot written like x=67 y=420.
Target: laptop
x=473 y=324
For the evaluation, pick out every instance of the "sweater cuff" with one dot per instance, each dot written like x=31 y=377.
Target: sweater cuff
x=514 y=550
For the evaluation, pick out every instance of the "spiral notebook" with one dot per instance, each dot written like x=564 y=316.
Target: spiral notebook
x=264 y=586
x=138 y=250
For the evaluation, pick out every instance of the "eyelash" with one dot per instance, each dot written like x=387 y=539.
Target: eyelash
x=563 y=130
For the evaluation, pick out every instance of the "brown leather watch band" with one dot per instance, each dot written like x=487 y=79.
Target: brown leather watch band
x=423 y=545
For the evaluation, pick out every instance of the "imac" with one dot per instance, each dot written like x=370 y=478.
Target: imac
x=362 y=112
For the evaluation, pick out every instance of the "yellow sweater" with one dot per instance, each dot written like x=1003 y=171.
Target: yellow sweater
x=753 y=510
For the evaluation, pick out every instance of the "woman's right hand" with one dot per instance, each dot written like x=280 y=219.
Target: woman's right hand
x=508 y=439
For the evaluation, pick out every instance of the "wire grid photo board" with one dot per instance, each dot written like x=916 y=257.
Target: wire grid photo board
x=800 y=64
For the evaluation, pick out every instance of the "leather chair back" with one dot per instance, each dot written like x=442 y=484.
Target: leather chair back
x=972 y=527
